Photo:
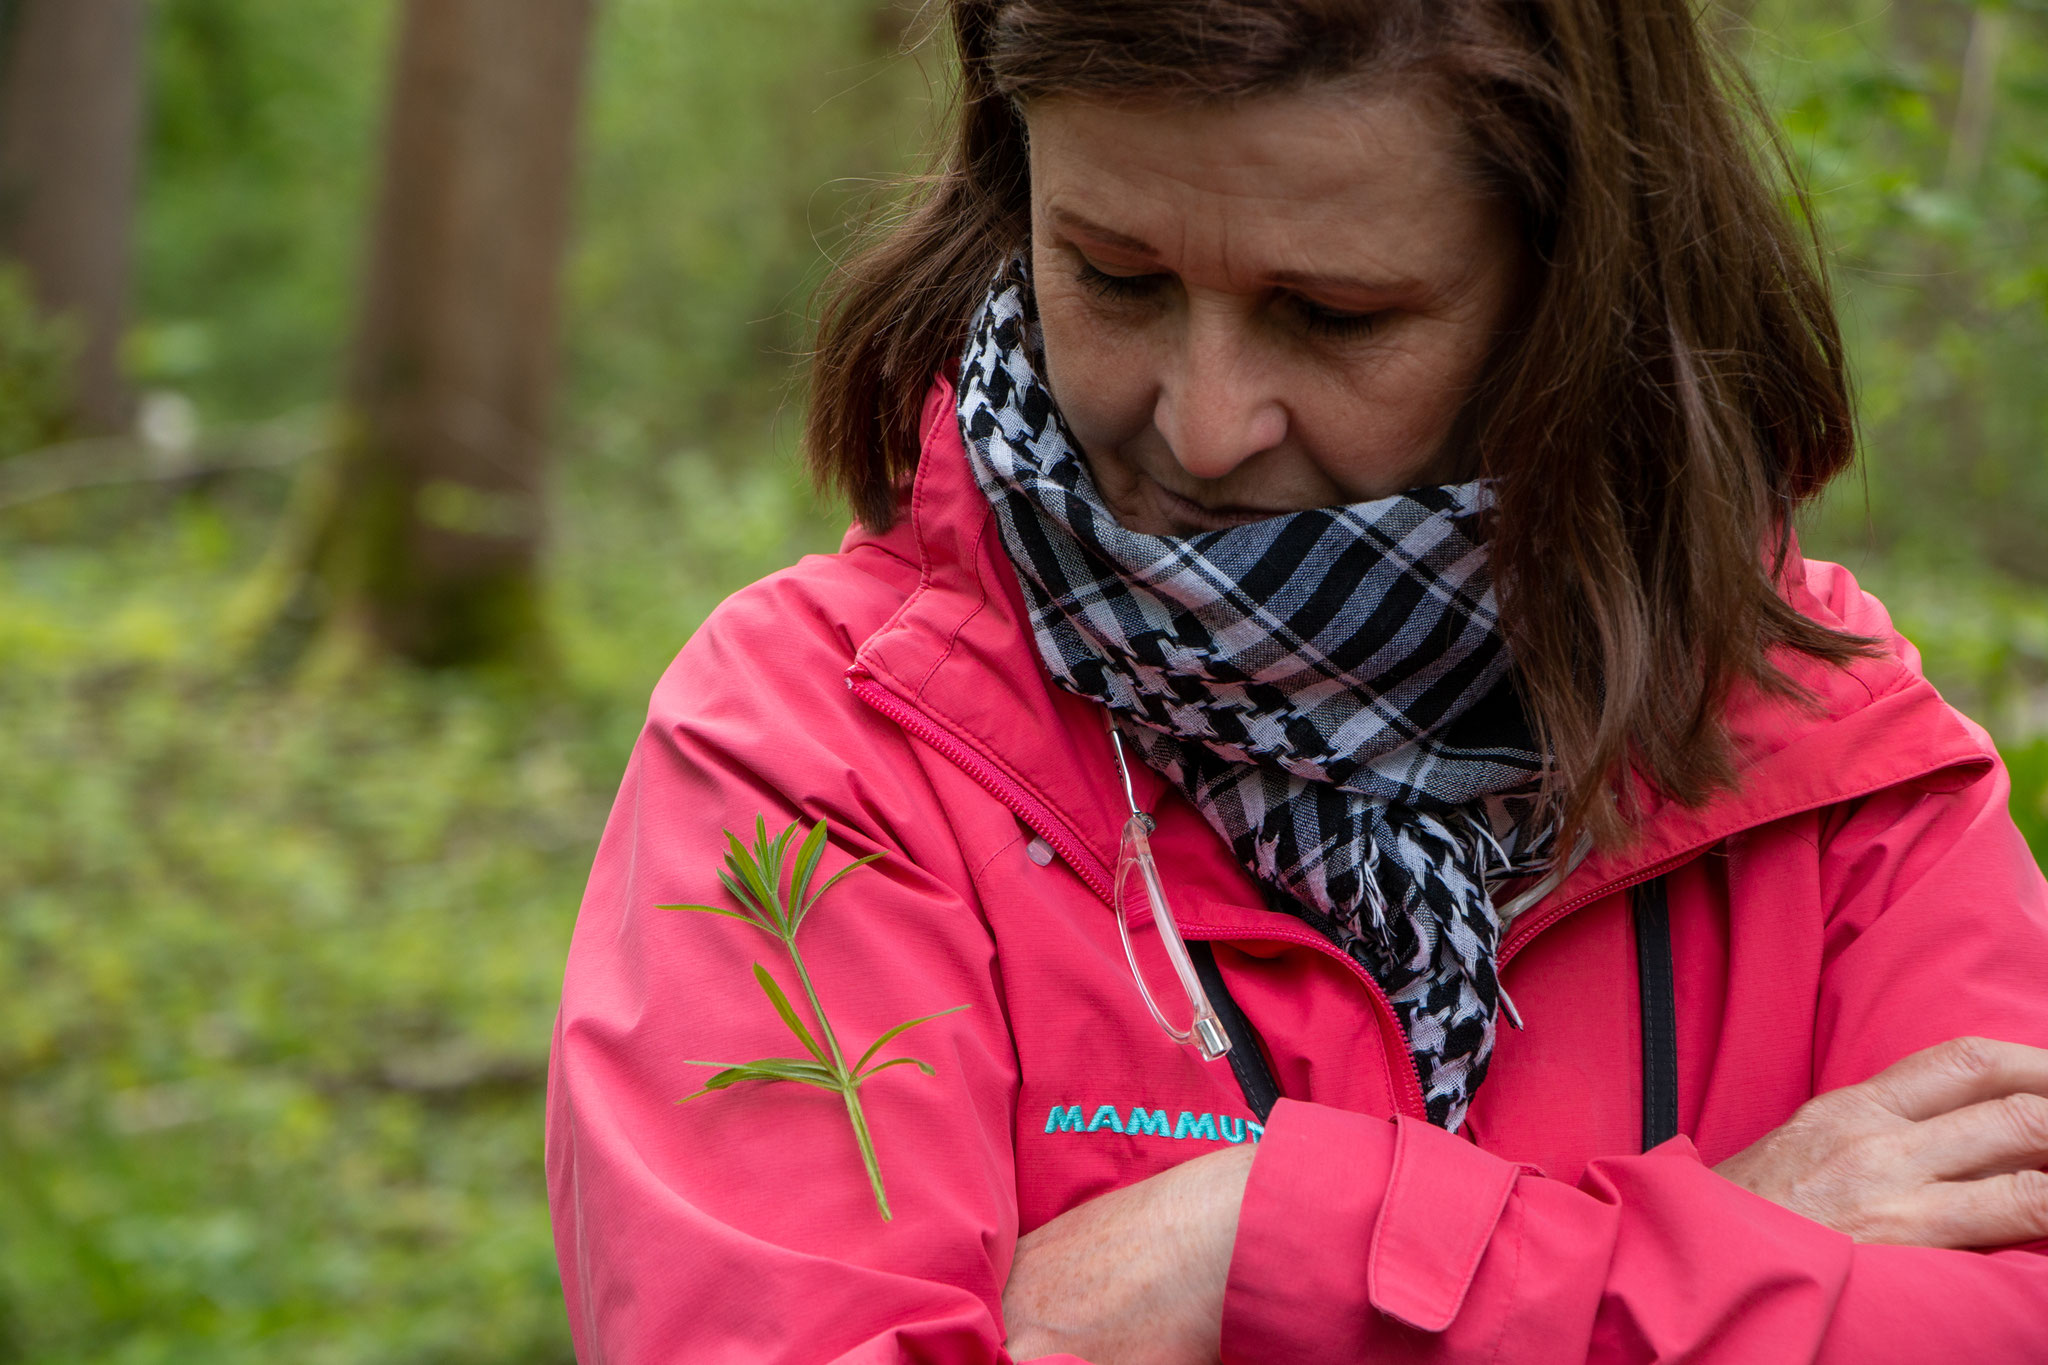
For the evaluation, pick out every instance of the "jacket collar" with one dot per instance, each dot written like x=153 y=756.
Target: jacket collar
x=959 y=657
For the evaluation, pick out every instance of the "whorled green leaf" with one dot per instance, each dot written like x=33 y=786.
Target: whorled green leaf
x=767 y=1069
x=767 y=862
x=778 y=857
x=902 y=1028
x=744 y=867
x=795 y=1069
x=737 y=889
x=789 y=1015
x=740 y=915
x=925 y=1067
x=832 y=881
x=781 y=847
x=748 y=905
x=808 y=855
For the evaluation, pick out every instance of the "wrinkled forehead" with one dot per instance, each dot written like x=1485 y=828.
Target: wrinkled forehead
x=1314 y=182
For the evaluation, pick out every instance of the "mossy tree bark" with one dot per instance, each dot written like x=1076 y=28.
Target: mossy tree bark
x=429 y=527
x=70 y=134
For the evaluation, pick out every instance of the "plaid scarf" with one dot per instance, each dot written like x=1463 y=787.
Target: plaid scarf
x=1330 y=688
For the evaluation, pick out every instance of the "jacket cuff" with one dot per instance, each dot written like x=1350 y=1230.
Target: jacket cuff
x=1297 y=1288
x=1351 y=1225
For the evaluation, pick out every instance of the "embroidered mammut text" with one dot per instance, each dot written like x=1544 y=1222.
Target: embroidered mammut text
x=1143 y=1122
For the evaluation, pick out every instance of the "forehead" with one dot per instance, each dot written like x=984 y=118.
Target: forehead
x=1318 y=179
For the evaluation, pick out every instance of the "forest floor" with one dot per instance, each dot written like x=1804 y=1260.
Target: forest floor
x=280 y=955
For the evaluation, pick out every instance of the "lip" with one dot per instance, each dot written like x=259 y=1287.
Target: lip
x=1204 y=517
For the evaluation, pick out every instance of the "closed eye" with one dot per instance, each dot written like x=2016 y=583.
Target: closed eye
x=1311 y=316
x=1331 y=322
x=1126 y=287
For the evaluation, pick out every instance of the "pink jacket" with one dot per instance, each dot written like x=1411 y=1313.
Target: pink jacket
x=1864 y=894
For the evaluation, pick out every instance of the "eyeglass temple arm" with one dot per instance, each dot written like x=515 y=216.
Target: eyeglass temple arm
x=1206 y=1031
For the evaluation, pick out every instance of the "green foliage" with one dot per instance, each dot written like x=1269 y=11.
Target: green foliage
x=278 y=959
x=2029 y=766
x=724 y=145
x=35 y=370
x=754 y=879
x=1922 y=128
x=275 y=972
x=727 y=145
x=263 y=127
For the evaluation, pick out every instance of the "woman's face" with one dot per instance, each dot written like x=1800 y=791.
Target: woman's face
x=1262 y=307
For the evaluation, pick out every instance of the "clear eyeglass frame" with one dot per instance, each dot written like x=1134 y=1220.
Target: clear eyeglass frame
x=1137 y=874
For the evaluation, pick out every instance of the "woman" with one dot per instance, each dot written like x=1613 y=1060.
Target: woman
x=1362 y=436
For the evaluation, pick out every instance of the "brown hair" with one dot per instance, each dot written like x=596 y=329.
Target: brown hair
x=1675 y=390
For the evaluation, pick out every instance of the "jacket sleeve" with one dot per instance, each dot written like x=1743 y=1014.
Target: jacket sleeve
x=1430 y=1249
x=741 y=1226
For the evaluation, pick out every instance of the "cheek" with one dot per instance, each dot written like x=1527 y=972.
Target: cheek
x=1100 y=370
x=1379 y=424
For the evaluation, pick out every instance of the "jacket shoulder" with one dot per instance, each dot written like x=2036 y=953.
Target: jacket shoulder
x=785 y=642
x=1829 y=593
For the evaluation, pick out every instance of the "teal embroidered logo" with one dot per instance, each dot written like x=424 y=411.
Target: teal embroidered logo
x=1143 y=1122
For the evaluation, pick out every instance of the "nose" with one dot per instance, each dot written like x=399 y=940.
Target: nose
x=1217 y=407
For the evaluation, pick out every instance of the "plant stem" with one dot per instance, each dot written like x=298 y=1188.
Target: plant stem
x=848 y=1086
x=867 y=1148
x=824 y=1024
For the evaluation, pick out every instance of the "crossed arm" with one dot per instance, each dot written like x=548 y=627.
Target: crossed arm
x=1942 y=1149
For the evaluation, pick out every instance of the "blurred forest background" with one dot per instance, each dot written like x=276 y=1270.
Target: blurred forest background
x=388 y=387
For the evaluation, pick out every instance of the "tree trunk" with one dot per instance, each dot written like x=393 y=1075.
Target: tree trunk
x=1970 y=130
x=433 y=529
x=70 y=132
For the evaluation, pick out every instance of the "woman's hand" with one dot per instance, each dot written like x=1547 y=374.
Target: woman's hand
x=1942 y=1149
x=1135 y=1277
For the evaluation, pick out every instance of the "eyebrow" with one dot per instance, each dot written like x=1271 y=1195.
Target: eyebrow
x=1067 y=218
x=1310 y=281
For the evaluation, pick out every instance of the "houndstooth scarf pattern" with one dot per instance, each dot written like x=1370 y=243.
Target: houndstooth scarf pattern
x=1330 y=688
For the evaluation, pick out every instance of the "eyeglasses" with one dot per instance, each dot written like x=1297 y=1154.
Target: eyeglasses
x=1138 y=875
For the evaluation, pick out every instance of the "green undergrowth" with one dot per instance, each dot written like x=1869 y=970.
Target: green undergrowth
x=279 y=952
x=279 y=955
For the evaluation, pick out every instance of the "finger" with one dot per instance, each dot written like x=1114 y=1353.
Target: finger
x=2006 y=1134
x=1995 y=1212
x=1959 y=1072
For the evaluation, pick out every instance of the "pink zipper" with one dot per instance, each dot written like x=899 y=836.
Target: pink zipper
x=1028 y=808
x=1529 y=926
x=1520 y=935
x=1407 y=1085
x=1050 y=828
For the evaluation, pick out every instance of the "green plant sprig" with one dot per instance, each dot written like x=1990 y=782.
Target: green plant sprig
x=754 y=877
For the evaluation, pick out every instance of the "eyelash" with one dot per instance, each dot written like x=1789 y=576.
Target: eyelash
x=1341 y=326
x=1315 y=319
x=1108 y=286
